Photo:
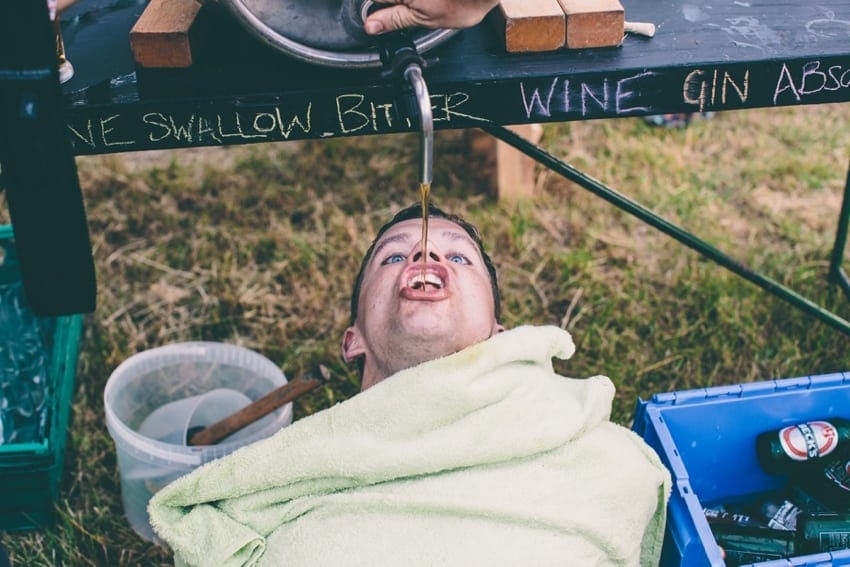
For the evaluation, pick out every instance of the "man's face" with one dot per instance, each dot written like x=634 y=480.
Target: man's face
x=408 y=315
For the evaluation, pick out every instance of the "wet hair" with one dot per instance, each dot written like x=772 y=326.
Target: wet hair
x=415 y=212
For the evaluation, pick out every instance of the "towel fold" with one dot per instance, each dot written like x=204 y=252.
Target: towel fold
x=483 y=457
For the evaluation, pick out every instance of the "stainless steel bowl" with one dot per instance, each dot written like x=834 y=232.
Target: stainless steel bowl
x=325 y=32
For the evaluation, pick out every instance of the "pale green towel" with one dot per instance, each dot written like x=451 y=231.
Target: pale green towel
x=484 y=457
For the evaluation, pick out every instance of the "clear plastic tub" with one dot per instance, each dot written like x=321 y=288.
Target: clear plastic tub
x=147 y=382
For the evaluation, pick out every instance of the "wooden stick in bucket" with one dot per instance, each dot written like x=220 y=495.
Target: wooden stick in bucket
x=219 y=430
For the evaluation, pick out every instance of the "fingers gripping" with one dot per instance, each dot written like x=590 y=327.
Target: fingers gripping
x=395 y=17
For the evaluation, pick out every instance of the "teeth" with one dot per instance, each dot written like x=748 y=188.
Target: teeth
x=420 y=280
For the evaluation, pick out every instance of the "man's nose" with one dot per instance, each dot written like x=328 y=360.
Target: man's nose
x=433 y=253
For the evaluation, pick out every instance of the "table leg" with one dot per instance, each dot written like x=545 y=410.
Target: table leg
x=648 y=216
x=38 y=168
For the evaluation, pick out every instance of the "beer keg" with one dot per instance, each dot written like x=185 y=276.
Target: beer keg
x=325 y=32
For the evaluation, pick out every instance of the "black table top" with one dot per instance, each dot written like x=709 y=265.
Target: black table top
x=730 y=54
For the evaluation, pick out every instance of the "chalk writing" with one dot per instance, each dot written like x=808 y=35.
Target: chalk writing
x=355 y=113
x=597 y=97
x=192 y=129
x=828 y=26
x=585 y=98
x=536 y=104
x=350 y=114
x=447 y=107
x=103 y=129
x=812 y=78
x=715 y=89
x=370 y=110
x=197 y=128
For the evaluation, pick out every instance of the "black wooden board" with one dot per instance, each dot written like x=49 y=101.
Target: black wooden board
x=728 y=55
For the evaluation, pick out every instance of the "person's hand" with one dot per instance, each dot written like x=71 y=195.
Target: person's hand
x=429 y=14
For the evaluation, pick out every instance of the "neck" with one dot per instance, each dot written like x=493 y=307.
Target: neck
x=377 y=368
x=400 y=351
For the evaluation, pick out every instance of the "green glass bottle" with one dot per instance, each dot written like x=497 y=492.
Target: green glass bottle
x=830 y=482
x=719 y=516
x=748 y=544
x=807 y=503
x=793 y=448
x=821 y=533
x=780 y=515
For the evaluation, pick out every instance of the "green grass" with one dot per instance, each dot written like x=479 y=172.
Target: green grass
x=258 y=245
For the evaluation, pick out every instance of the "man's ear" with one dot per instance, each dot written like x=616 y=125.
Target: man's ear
x=352 y=344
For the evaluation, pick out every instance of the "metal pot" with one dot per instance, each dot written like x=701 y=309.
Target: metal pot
x=326 y=32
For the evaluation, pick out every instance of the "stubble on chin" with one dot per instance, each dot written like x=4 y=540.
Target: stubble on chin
x=416 y=342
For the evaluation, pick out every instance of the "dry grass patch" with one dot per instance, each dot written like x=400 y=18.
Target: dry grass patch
x=258 y=246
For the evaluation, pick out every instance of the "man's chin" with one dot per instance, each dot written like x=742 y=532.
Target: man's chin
x=412 y=346
x=426 y=328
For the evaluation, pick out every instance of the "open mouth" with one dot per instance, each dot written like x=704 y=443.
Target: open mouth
x=425 y=281
x=428 y=284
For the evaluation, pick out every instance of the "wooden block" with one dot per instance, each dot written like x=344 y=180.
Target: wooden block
x=593 y=23
x=529 y=25
x=513 y=172
x=163 y=35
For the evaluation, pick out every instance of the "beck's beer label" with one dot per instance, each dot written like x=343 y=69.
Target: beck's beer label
x=810 y=440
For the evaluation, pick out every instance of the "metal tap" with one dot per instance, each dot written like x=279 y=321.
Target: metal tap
x=402 y=62
x=413 y=75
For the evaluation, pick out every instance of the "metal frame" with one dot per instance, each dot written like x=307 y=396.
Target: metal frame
x=836 y=270
x=634 y=208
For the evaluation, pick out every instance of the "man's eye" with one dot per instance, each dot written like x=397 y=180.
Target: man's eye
x=394 y=258
x=459 y=259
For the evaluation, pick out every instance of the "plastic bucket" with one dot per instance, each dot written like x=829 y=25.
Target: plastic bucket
x=199 y=381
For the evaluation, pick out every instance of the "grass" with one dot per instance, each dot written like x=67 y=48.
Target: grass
x=258 y=246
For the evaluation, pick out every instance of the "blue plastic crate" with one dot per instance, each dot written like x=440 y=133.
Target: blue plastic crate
x=706 y=437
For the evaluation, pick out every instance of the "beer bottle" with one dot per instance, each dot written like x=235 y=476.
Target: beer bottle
x=749 y=544
x=791 y=448
x=821 y=533
x=806 y=501
x=831 y=482
x=780 y=516
x=718 y=516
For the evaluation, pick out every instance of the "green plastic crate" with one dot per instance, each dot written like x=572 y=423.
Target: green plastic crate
x=30 y=472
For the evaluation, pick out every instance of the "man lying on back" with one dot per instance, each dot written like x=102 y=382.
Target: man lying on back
x=464 y=447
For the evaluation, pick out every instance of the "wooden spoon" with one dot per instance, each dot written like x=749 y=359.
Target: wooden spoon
x=221 y=429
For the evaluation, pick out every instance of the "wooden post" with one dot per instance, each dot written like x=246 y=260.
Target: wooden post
x=512 y=172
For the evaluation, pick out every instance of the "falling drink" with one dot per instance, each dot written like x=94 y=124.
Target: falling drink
x=425 y=188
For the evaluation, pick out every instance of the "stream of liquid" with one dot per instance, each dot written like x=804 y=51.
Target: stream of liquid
x=425 y=189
